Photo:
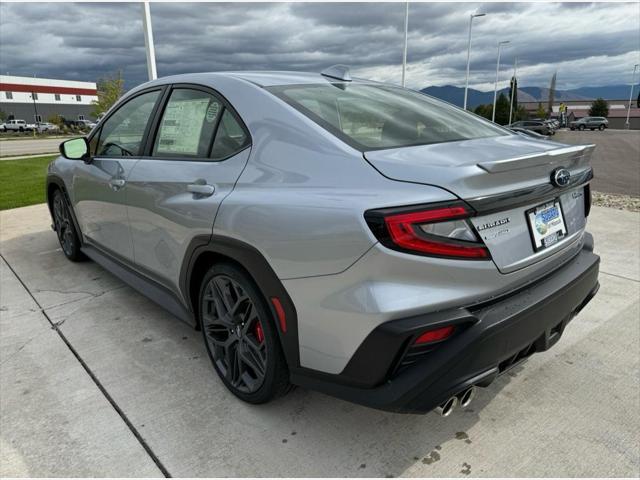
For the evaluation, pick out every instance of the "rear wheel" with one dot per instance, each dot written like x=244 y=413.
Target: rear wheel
x=65 y=228
x=240 y=335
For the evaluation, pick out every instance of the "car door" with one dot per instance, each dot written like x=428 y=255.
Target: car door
x=100 y=185
x=198 y=151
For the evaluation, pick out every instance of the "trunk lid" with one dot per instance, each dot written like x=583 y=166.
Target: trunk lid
x=503 y=178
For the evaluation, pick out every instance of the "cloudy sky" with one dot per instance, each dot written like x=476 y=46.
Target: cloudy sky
x=588 y=44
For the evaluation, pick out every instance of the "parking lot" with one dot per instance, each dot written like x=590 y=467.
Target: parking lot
x=95 y=380
x=616 y=161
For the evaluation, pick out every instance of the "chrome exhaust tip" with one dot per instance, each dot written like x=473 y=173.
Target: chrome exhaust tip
x=466 y=396
x=447 y=407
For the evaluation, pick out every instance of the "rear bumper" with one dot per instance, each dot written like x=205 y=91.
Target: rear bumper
x=492 y=337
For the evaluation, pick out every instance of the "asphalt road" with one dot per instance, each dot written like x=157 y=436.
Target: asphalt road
x=616 y=160
x=10 y=148
x=95 y=380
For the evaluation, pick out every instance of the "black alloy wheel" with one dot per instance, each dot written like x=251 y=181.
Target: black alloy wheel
x=65 y=229
x=240 y=335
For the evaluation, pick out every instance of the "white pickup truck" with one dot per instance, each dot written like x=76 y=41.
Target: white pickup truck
x=18 y=126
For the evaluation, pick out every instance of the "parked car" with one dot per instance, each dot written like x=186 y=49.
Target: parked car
x=352 y=237
x=18 y=126
x=528 y=133
x=538 y=126
x=47 y=127
x=589 y=122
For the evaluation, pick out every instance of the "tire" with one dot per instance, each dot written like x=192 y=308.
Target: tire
x=581 y=128
x=601 y=127
x=572 y=128
x=245 y=350
x=21 y=129
x=65 y=229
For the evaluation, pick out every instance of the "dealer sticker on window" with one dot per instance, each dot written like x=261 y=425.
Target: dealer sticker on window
x=546 y=224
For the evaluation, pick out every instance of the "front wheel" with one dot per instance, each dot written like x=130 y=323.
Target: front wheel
x=240 y=335
x=581 y=128
x=65 y=228
x=601 y=127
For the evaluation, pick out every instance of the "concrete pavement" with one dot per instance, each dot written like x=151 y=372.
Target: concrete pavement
x=11 y=148
x=571 y=411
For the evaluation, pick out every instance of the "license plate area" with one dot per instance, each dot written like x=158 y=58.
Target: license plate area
x=546 y=224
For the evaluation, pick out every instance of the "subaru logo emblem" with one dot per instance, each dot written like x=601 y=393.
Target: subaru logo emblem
x=560 y=177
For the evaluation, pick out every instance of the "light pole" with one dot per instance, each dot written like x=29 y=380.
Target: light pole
x=406 y=35
x=35 y=109
x=148 y=42
x=514 y=86
x=633 y=77
x=495 y=86
x=466 y=84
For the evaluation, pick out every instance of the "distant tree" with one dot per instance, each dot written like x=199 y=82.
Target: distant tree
x=3 y=116
x=484 y=111
x=502 y=110
x=552 y=93
x=541 y=112
x=520 y=114
x=110 y=89
x=55 y=119
x=513 y=87
x=599 y=108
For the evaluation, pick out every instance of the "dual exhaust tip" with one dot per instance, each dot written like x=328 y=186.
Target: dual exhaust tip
x=463 y=399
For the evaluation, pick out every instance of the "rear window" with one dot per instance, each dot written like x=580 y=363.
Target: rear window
x=373 y=117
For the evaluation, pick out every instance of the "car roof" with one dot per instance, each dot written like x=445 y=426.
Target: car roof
x=259 y=78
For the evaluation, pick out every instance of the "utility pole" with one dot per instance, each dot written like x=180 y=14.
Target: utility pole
x=406 y=36
x=514 y=86
x=633 y=77
x=466 y=84
x=495 y=86
x=148 y=42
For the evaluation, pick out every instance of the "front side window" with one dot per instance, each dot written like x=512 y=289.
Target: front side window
x=188 y=124
x=122 y=133
x=373 y=117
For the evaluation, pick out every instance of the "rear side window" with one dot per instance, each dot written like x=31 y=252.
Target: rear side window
x=188 y=124
x=230 y=138
x=373 y=117
x=122 y=133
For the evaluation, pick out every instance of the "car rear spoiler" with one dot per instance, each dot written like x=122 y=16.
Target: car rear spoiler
x=575 y=154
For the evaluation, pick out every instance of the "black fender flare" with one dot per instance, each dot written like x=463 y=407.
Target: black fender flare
x=205 y=248
x=53 y=179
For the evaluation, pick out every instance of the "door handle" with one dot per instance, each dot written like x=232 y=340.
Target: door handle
x=117 y=183
x=201 y=189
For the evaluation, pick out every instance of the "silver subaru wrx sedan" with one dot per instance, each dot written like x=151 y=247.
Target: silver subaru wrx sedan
x=339 y=234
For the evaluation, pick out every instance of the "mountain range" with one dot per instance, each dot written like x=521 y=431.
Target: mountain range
x=455 y=95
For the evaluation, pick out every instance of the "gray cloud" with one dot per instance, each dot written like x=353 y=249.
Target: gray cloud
x=589 y=44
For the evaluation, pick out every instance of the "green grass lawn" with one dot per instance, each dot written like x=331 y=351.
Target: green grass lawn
x=22 y=182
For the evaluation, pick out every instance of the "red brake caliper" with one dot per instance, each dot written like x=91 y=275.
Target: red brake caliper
x=259 y=333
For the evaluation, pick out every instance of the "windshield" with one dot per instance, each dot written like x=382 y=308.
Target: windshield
x=374 y=117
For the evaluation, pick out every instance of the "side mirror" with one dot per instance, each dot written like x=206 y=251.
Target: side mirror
x=76 y=149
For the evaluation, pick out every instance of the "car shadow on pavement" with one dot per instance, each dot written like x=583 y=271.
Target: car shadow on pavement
x=156 y=370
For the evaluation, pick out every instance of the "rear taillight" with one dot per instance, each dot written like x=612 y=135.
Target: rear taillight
x=434 y=230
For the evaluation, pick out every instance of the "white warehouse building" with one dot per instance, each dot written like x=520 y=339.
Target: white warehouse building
x=37 y=99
